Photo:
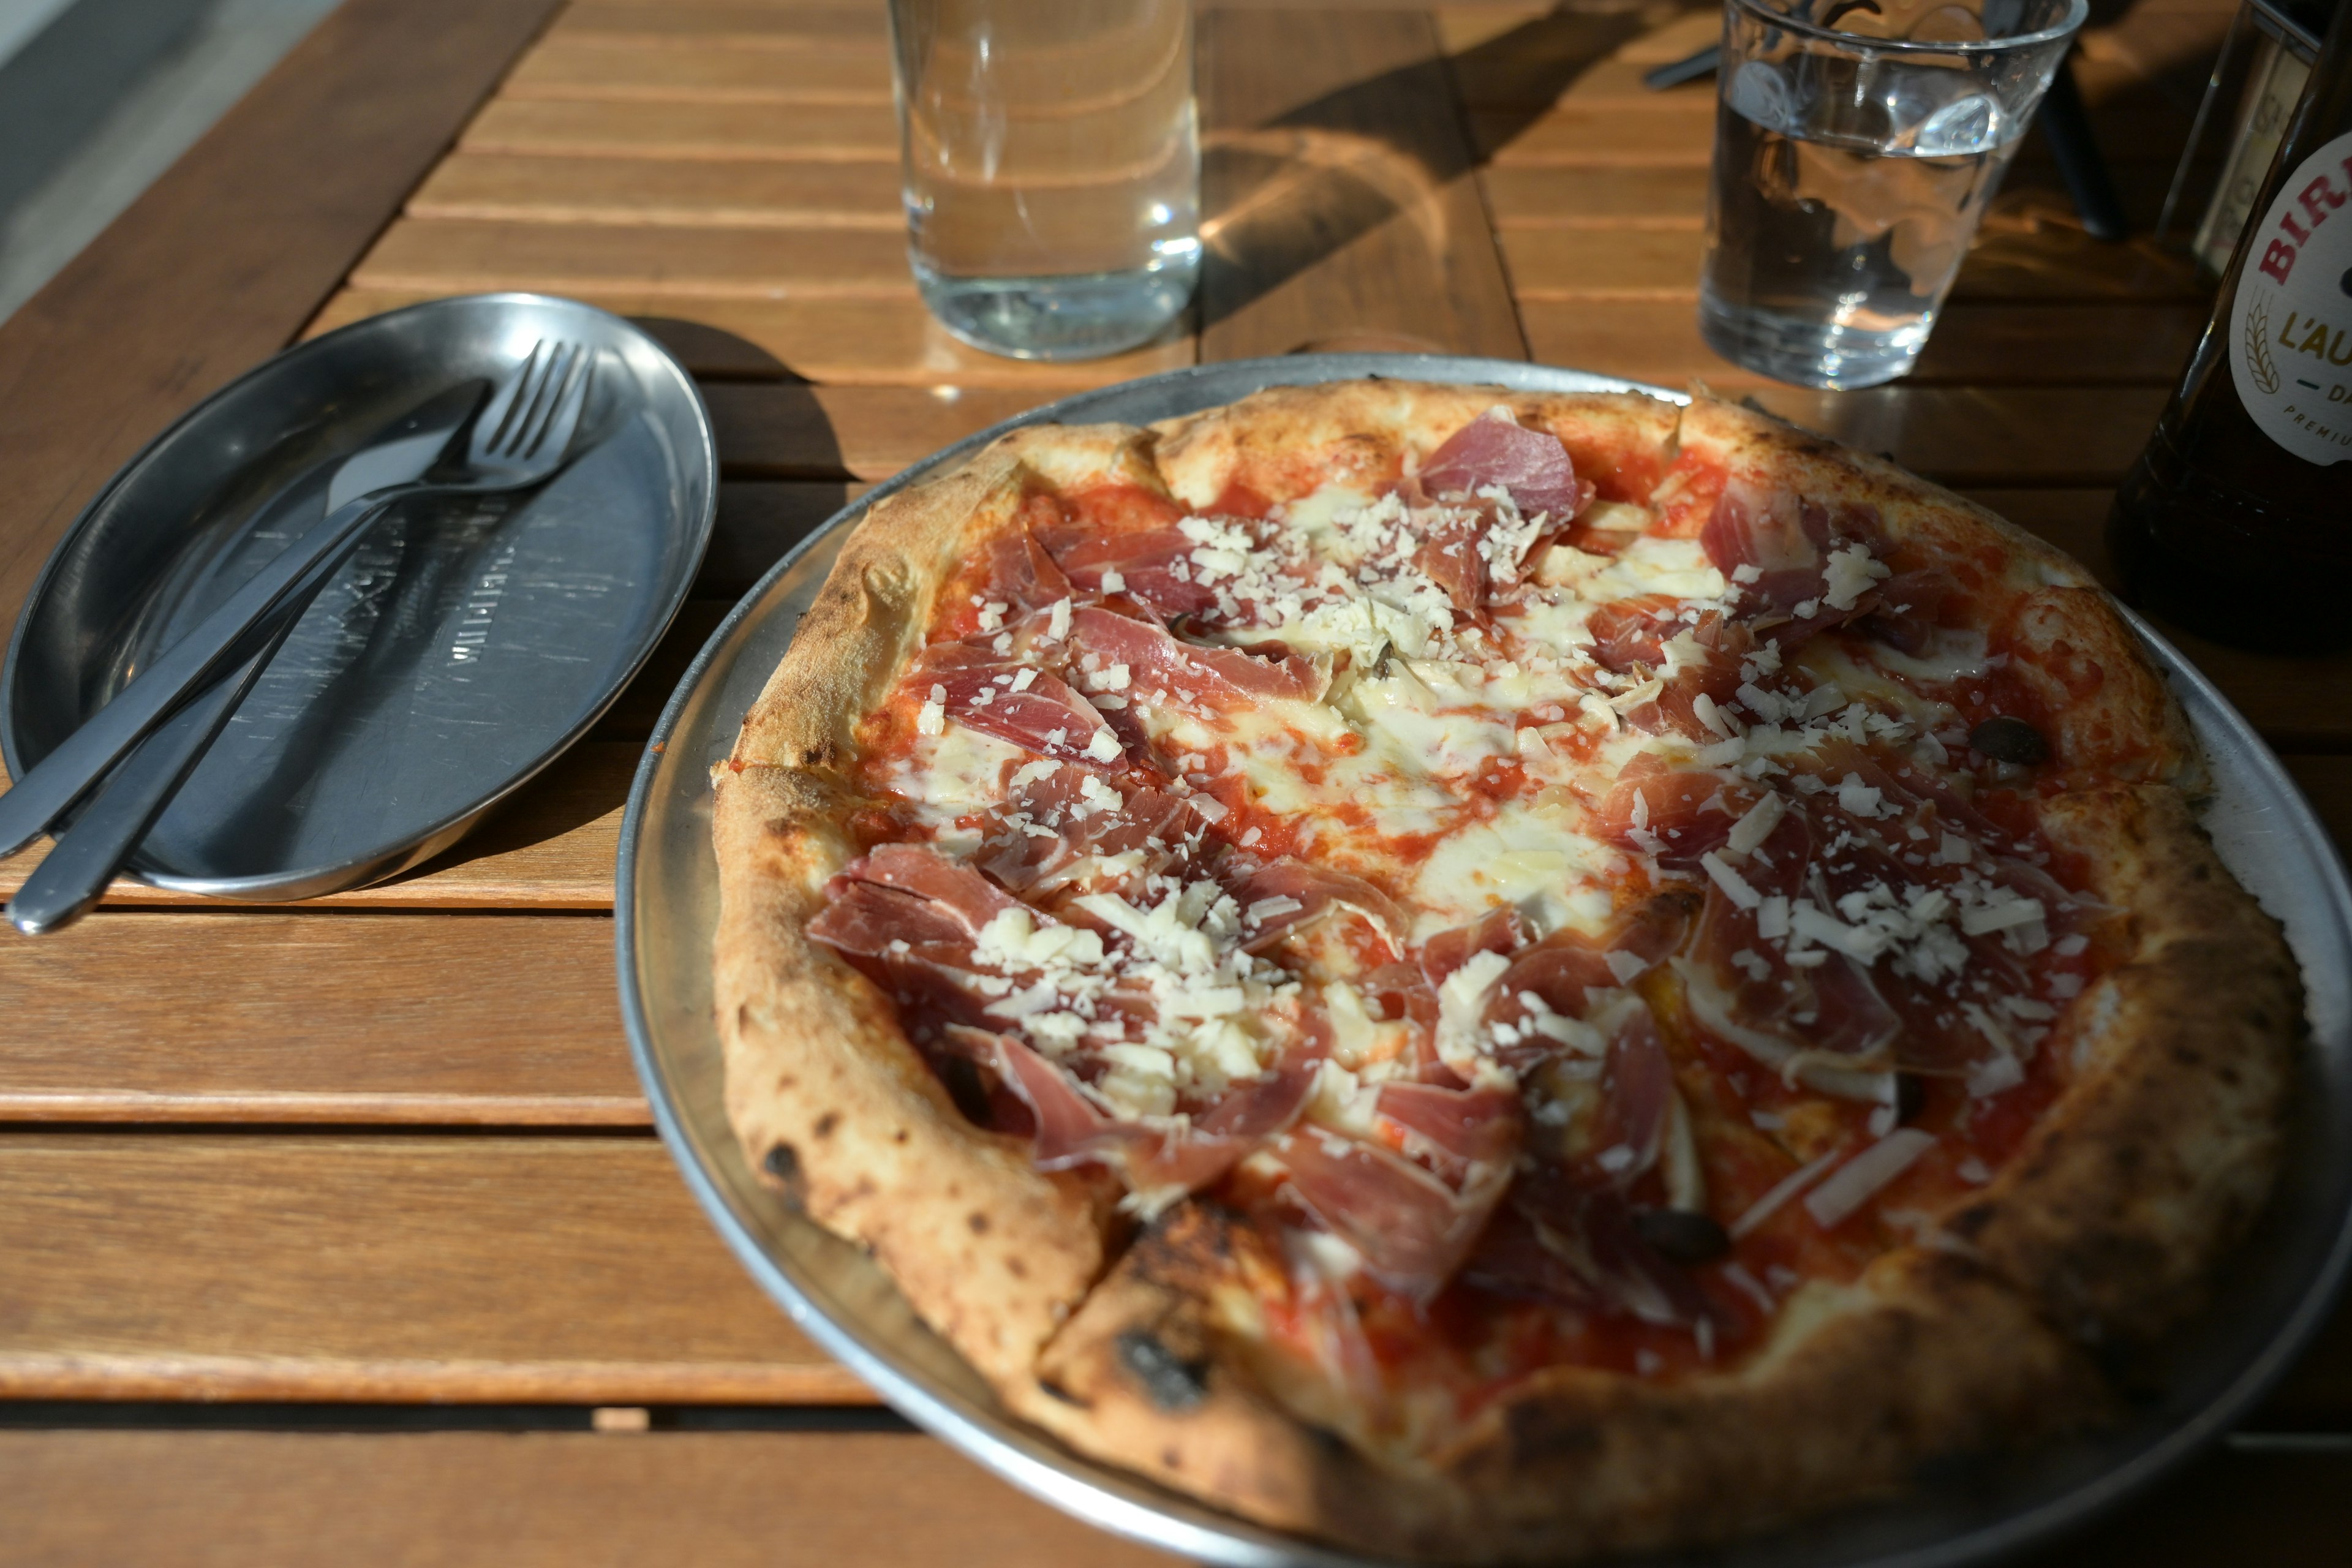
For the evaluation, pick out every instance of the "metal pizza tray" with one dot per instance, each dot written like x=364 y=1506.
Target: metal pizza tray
x=2278 y=1291
x=466 y=643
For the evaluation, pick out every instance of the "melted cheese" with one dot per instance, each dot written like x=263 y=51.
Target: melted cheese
x=955 y=772
x=1520 y=856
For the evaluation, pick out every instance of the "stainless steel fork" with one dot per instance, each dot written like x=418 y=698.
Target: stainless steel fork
x=521 y=437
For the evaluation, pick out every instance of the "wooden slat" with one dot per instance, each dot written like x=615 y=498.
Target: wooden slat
x=463 y=256
x=551 y=848
x=225 y=258
x=654 y=25
x=629 y=129
x=848 y=1500
x=1558 y=197
x=1341 y=207
x=862 y=431
x=241 y=1016
x=889 y=341
x=576 y=65
x=1532 y=195
x=2005 y=263
x=676 y=190
x=1973 y=343
x=759 y=521
x=1985 y=435
x=378 y=1267
x=734 y=1500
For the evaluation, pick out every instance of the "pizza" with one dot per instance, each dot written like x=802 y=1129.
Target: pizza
x=1493 y=976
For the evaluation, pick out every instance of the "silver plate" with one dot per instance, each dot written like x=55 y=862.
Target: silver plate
x=464 y=646
x=2277 y=1295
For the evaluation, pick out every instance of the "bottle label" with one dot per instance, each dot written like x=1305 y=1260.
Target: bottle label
x=2291 y=323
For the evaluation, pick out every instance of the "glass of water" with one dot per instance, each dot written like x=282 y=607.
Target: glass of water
x=1052 y=169
x=1856 y=145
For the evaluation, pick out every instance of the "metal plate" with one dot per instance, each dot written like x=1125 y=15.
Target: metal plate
x=2278 y=1293
x=464 y=646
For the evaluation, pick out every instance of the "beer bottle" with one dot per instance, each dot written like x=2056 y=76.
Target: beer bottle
x=2236 y=522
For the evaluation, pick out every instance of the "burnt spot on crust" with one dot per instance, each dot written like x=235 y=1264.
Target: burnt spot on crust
x=976 y=1222
x=961 y=1076
x=827 y=1123
x=1170 y=1381
x=782 y=1163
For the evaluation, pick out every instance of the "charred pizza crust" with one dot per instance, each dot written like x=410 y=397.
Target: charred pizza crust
x=1141 y=1349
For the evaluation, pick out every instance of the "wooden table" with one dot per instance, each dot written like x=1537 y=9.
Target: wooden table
x=338 y=1233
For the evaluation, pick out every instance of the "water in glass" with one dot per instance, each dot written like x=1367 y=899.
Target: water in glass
x=1052 y=169
x=1853 y=165
x=1828 y=259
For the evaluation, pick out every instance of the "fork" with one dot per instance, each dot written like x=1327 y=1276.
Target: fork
x=521 y=437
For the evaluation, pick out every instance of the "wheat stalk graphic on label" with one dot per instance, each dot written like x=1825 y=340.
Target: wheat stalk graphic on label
x=2258 y=344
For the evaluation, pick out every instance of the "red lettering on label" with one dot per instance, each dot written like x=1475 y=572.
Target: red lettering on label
x=2278 y=259
x=2319 y=190
x=2302 y=234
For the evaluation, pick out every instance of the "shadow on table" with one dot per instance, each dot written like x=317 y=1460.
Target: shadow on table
x=1300 y=169
x=1296 y=170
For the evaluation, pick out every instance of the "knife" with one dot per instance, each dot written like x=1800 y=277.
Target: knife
x=78 y=870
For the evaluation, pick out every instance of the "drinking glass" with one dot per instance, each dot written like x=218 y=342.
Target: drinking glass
x=1052 y=169
x=1854 y=157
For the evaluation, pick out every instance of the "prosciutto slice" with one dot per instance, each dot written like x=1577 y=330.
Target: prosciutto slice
x=865 y=918
x=1286 y=893
x=1499 y=929
x=1565 y=979
x=1632 y=636
x=1069 y=1130
x=1158 y=663
x=1455 y=558
x=1410 y=1228
x=1464 y=1127
x=1637 y=1098
x=1023 y=574
x=946 y=884
x=1784 y=541
x=1399 y=991
x=1054 y=834
x=1151 y=557
x=1016 y=702
x=1908 y=604
x=1531 y=465
x=907 y=918
x=1558 y=1242
x=1677 y=817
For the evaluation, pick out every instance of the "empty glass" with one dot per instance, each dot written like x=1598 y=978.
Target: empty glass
x=1854 y=157
x=1052 y=169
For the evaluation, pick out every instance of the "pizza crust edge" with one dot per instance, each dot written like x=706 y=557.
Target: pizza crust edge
x=837 y=1111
